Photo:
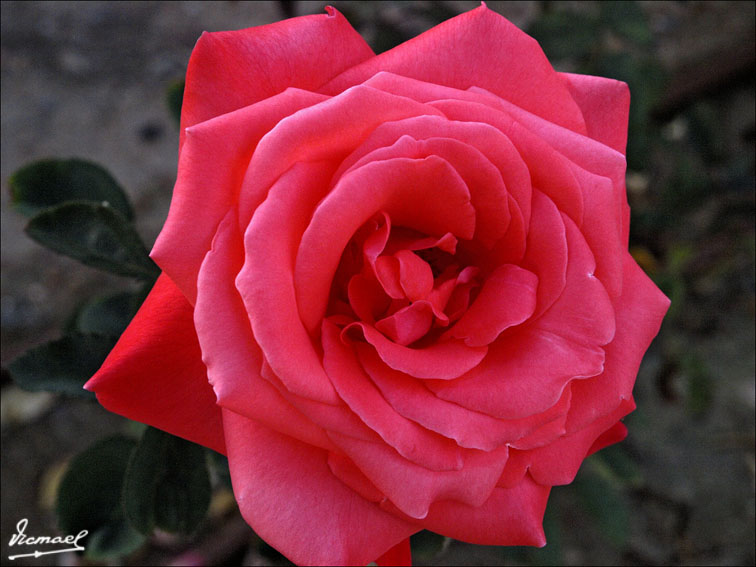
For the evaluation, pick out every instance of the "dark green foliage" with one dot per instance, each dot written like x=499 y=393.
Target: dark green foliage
x=167 y=484
x=46 y=183
x=89 y=498
x=174 y=97
x=96 y=235
x=62 y=366
x=108 y=315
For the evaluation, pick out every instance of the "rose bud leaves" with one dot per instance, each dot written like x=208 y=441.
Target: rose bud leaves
x=396 y=290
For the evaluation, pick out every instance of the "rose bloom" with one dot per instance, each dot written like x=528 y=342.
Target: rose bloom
x=396 y=289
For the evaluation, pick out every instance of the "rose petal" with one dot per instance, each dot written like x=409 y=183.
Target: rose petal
x=603 y=228
x=232 y=69
x=546 y=253
x=177 y=399
x=442 y=361
x=613 y=435
x=606 y=107
x=508 y=298
x=326 y=131
x=557 y=463
x=408 y=324
x=285 y=487
x=229 y=349
x=468 y=428
x=443 y=55
x=409 y=439
x=265 y=283
x=584 y=312
x=426 y=195
x=639 y=312
x=413 y=488
x=510 y=516
x=549 y=170
x=367 y=298
x=487 y=191
x=345 y=470
x=521 y=376
x=582 y=151
x=400 y=554
x=490 y=142
x=211 y=168
x=415 y=275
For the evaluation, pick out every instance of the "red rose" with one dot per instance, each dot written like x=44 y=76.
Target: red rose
x=405 y=278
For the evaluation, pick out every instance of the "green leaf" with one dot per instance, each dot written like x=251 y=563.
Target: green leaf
x=89 y=498
x=606 y=502
x=167 y=484
x=96 y=235
x=426 y=545
x=626 y=19
x=63 y=365
x=108 y=315
x=46 y=183
x=174 y=98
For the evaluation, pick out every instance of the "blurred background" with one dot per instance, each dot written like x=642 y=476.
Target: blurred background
x=89 y=79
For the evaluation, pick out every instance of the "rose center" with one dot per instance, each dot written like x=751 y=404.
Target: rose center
x=407 y=285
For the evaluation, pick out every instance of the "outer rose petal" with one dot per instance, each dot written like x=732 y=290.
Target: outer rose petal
x=400 y=554
x=640 y=311
x=289 y=496
x=606 y=107
x=211 y=168
x=514 y=66
x=155 y=373
x=229 y=70
x=510 y=516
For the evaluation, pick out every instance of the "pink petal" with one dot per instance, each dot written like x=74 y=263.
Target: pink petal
x=549 y=170
x=639 y=312
x=606 y=106
x=229 y=349
x=523 y=374
x=408 y=324
x=557 y=463
x=468 y=428
x=409 y=439
x=288 y=495
x=415 y=275
x=613 y=435
x=426 y=195
x=489 y=141
x=583 y=151
x=367 y=298
x=602 y=228
x=266 y=281
x=487 y=191
x=345 y=470
x=326 y=131
x=212 y=164
x=584 y=312
x=546 y=252
x=330 y=417
x=508 y=298
x=442 y=361
x=510 y=516
x=443 y=55
x=413 y=488
x=232 y=69
x=155 y=374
